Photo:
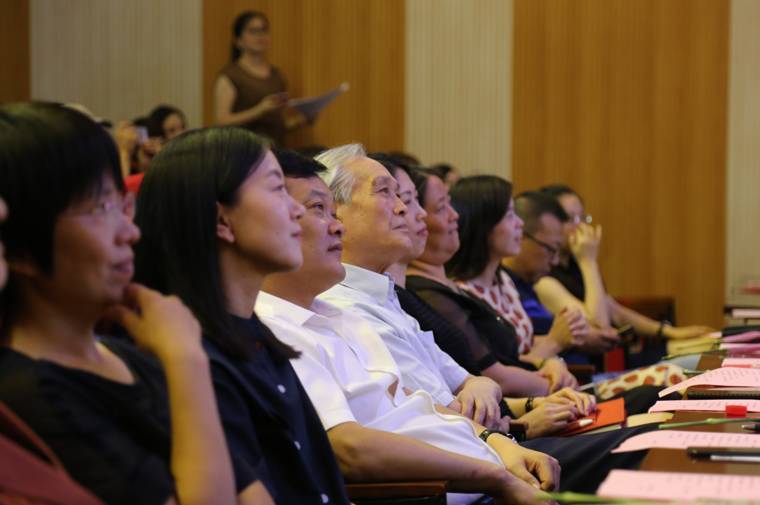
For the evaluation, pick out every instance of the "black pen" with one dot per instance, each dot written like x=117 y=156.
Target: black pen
x=725 y=454
x=752 y=427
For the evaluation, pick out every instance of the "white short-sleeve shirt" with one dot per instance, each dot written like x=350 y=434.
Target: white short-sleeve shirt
x=349 y=375
x=422 y=363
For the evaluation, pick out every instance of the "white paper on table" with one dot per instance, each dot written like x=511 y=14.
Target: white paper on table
x=724 y=376
x=747 y=336
x=742 y=362
x=675 y=439
x=679 y=486
x=703 y=405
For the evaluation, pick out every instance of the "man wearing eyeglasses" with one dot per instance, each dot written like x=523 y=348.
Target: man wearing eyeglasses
x=570 y=283
x=543 y=220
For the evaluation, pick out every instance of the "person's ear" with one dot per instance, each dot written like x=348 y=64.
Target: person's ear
x=223 y=225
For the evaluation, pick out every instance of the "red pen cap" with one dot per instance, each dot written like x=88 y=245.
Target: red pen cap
x=736 y=410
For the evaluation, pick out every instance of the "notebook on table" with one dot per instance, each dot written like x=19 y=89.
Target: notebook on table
x=607 y=413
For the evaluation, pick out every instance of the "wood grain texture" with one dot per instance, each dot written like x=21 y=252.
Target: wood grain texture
x=120 y=58
x=318 y=45
x=626 y=102
x=14 y=51
x=459 y=83
x=743 y=204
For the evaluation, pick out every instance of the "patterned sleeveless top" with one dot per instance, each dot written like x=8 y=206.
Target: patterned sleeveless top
x=502 y=296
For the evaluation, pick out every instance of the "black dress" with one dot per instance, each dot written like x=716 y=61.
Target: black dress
x=585 y=460
x=486 y=333
x=112 y=438
x=272 y=430
x=481 y=325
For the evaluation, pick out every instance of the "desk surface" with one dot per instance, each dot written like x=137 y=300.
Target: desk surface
x=710 y=361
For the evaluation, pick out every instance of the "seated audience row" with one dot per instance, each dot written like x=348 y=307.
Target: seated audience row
x=336 y=381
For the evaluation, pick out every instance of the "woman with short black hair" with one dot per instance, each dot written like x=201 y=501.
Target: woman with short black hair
x=100 y=404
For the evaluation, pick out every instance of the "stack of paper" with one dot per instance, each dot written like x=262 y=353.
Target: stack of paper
x=725 y=376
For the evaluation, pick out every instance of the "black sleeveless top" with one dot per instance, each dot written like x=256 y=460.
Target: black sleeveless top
x=571 y=277
x=486 y=332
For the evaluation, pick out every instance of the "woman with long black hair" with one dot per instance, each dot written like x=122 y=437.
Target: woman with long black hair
x=251 y=92
x=216 y=219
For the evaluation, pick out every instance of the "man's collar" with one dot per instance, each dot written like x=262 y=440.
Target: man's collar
x=378 y=286
x=268 y=305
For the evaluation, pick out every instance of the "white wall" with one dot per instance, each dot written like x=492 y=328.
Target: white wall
x=459 y=83
x=120 y=58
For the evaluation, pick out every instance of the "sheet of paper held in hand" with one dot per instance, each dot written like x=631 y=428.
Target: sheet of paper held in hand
x=675 y=439
x=703 y=405
x=679 y=486
x=312 y=106
x=726 y=376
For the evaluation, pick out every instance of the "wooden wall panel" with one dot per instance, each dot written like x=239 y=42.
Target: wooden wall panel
x=459 y=83
x=318 y=45
x=743 y=204
x=120 y=58
x=626 y=102
x=14 y=50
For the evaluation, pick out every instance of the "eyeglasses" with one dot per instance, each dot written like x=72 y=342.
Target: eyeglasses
x=553 y=251
x=584 y=218
x=123 y=205
x=258 y=31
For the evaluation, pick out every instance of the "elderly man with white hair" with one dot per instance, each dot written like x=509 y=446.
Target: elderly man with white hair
x=376 y=236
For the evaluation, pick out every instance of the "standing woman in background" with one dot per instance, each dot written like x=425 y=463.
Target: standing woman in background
x=249 y=91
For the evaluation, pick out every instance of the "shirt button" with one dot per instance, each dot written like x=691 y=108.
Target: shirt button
x=297 y=444
x=281 y=388
x=325 y=498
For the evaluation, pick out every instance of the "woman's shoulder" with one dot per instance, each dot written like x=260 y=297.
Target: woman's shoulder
x=230 y=68
x=19 y=378
x=418 y=283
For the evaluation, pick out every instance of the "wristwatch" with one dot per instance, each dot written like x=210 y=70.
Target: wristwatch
x=487 y=433
x=529 y=404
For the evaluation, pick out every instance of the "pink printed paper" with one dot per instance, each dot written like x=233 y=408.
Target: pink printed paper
x=742 y=362
x=679 y=486
x=675 y=439
x=747 y=336
x=725 y=376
